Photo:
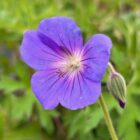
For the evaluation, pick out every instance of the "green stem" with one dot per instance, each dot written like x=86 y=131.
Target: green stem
x=110 y=67
x=107 y=118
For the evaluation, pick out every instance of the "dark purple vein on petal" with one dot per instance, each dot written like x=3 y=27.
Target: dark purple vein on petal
x=63 y=83
x=87 y=66
x=49 y=43
x=69 y=41
x=86 y=51
x=79 y=83
x=67 y=84
x=63 y=48
x=52 y=85
x=47 y=60
x=87 y=59
x=72 y=87
x=48 y=79
x=52 y=54
x=89 y=79
x=82 y=76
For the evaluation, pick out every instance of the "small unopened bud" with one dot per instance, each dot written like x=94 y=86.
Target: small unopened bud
x=117 y=87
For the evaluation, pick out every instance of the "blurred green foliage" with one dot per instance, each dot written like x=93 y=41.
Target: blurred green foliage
x=21 y=115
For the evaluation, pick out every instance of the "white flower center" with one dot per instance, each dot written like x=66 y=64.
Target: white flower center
x=73 y=63
x=70 y=65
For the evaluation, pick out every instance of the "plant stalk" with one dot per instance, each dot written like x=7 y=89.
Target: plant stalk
x=107 y=118
x=110 y=67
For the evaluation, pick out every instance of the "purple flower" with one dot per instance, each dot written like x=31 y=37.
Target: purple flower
x=68 y=72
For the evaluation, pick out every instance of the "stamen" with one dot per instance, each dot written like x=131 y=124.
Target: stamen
x=70 y=65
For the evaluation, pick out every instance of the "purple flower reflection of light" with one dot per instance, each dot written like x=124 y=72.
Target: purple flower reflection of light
x=68 y=72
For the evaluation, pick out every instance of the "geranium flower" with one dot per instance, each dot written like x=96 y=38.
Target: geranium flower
x=68 y=72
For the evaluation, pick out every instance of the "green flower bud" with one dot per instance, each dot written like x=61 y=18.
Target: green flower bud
x=117 y=87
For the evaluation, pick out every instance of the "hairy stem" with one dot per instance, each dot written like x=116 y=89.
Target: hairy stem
x=107 y=118
x=110 y=67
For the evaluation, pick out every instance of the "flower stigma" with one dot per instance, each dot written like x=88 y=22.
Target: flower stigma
x=74 y=62
x=70 y=65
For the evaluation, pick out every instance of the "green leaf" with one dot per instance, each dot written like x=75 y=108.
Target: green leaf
x=46 y=118
x=22 y=106
x=28 y=132
x=93 y=119
x=9 y=85
x=2 y=123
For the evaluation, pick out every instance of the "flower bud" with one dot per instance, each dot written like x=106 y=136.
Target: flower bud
x=117 y=87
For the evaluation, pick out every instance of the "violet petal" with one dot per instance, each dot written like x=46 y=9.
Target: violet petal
x=63 y=31
x=96 y=56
